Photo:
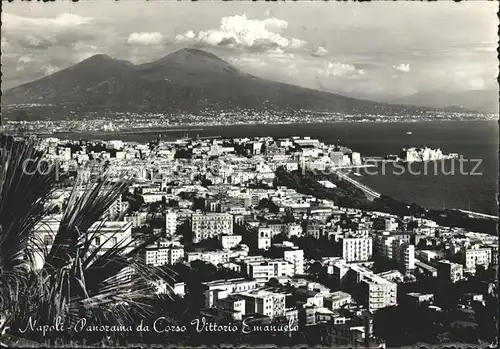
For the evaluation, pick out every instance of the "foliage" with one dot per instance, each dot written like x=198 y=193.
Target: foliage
x=79 y=278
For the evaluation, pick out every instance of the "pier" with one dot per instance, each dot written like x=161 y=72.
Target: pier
x=370 y=194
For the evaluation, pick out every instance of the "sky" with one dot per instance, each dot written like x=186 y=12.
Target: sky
x=380 y=49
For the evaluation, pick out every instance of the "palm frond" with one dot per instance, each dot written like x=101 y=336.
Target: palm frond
x=23 y=191
x=79 y=276
x=25 y=185
x=86 y=206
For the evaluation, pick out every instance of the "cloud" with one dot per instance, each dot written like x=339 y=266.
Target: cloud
x=476 y=84
x=404 y=68
x=36 y=42
x=297 y=43
x=146 y=39
x=340 y=70
x=244 y=33
x=63 y=20
x=275 y=24
x=319 y=52
x=24 y=62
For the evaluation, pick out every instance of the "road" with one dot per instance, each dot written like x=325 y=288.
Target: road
x=370 y=194
x=479 y=215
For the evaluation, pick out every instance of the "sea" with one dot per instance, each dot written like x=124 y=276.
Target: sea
x=470 y=183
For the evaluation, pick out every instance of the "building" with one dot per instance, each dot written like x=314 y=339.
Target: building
x=337 y=158
x=396 y=248
x=114 y=145
x=356 y=158
x=116 y=209
x=105 y=235
x=264 y=238
x=314 y=229
x=219 y=289
x=418 y=299
x=170 y=223
x=374 y=291
x=472 y=257
x=266 y=303
x=216 y=257
x=293 y=229
x=337 y=299
x=269 y=268
x=45 y=232
x=448 y=271
x=404 y=254
x=290 y=253
x=296 y=258
x=234 y=304
x=164 y=253
x=229 y=241
x=108 y=234
x=356 y=249
x=209 y=225
x=379 y=293
x=138 y=219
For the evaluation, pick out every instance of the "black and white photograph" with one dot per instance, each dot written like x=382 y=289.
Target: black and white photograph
x=249 y=173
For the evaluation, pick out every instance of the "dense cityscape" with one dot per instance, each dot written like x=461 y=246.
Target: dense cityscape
x=240 y=174
x=250 y=250
x=17 y=117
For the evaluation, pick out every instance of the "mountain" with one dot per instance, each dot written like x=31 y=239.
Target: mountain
x=188 y=80
x=481 y=100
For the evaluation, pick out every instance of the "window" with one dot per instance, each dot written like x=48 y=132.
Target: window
x=114 y=240
x=98 y=240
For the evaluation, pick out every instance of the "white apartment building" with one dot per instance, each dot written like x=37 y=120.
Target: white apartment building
x=337 y=299
x=170 y=223
x=164 y=253
x=138 y=219
x=404 y=253
x=229 y=241
x=472 y=257
x=356 y=249
x=234 y=303
x=377 y=292
x=267 y=268
x=296 y=258
x=290 y=253
x=116 y=209
x=45 y=232
x=293 y=229
x=209 y=225
x=220 y=289
x=265 y=303
x=109 y=234
x=396 y=248
x=216 y=257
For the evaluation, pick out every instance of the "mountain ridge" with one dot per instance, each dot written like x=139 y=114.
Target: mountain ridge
x=187 y=80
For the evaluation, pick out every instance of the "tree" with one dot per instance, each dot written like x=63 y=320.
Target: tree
x=78 y=277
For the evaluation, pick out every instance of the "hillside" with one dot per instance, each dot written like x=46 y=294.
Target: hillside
x=188 y=80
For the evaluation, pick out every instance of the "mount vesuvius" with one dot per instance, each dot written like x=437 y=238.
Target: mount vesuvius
x=188 y=80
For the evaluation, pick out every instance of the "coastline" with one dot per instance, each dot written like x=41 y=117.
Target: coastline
x=190 y=126
x=374 y=140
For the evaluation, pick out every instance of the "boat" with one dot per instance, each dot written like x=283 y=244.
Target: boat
x=409 y=133
x=357 y=174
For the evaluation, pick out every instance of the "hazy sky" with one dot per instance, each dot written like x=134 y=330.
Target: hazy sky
x=379 y=48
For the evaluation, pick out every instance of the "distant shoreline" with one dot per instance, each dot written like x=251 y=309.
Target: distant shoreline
x=199 y=127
